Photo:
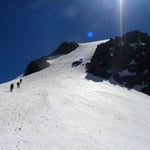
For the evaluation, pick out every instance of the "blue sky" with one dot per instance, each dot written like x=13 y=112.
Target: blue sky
x=30 y=29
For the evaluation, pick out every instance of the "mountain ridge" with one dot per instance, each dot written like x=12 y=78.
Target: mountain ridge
x=126 y=59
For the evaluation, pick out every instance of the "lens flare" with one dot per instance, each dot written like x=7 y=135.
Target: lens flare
x=90 y=34
x=121 y=16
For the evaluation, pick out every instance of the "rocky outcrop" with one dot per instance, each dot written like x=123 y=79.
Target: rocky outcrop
x=42 y=63
x=65 y=48
x=126 y=59
x=77 y=63
x=37 y=65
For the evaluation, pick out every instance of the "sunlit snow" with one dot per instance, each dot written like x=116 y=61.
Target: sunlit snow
x=59 y=109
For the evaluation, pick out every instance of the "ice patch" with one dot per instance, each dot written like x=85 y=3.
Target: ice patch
x=126 y=73
x=132 y=62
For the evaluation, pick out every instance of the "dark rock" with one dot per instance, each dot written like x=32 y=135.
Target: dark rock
x=65 y=48
x=146 y=90
x=77 y=63
x=36 y=65
x=129 y=53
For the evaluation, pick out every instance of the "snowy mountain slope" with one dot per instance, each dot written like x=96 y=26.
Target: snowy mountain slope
x=59 y=109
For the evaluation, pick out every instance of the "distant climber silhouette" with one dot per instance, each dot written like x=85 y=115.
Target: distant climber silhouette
x=11 y=87
x=20 y=81
x=18 y=84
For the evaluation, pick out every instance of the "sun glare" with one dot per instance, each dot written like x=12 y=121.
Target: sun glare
x=121 y=16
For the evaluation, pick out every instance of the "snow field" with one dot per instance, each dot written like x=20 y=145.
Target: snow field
x=59 y=109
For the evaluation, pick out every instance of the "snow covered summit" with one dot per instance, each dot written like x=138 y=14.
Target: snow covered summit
x=60 y=108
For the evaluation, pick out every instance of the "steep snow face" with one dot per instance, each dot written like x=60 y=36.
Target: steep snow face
x=60 y=108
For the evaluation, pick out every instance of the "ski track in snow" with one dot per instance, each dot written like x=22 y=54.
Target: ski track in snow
x=59 y=109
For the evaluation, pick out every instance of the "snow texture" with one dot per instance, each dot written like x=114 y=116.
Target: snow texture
x=134 y=45
x=126 y=73
x=59 y=109
x=132 y=62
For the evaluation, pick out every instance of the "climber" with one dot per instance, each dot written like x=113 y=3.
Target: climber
x=20 y=81
x=11 y=87
x=18 y=84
